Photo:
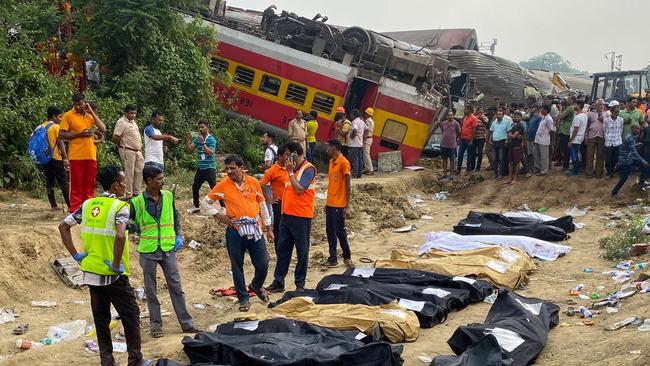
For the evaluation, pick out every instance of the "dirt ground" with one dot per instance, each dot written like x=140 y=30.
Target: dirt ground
x=30 y=239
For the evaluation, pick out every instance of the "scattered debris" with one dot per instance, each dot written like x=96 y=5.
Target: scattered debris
x=21 y=329
x=7 y=316
x=68 y=271
x=414 y=168
x=576 y=212
x=405 y=229
x=321 y=196
x=622 y=323
x=645 y=326
x=199 y=306
x=67 y=331
x=424 y=358
x=119 y=347
x=441 y=196
x=43 y=304
x=194 y=244
x=139 y=293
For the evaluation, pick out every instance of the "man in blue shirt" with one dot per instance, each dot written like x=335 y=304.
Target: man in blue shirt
x=628 y=157
x=498 y=134
x=531 y=131
x=206 y=169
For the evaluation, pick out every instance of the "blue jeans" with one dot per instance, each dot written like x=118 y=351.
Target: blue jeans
x=237 y=247
x=575 y=158
x=294 y=231
x=310 y=152
x=463 y=146
x=355 y=155
x=500 y=164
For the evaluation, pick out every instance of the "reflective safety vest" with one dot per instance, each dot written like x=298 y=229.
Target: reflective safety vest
x=155 y=233
x=299 y=205
x=98 y=232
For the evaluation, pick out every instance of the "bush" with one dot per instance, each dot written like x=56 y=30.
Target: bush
x=618 y=245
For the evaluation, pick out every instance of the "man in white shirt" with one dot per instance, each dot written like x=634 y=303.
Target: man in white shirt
x=543 y=140
x=355 y=143
x=579 y=127
x=153 y=141
x=270 y=149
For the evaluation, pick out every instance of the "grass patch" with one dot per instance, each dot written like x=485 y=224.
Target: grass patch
x=617 y=246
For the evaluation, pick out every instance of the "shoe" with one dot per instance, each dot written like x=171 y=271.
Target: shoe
x=193 y=210
x=191 y=329
x=244 y=306
x=262 y=294
x=275 y=287
x=329 y=263
x=157 y=333
x=300 y=289
x=348 y=263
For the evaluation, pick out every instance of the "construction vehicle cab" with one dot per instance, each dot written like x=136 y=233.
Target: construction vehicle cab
x=619 y=85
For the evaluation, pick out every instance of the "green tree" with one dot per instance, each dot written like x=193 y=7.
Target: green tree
x=26 y=88
x=550 y=61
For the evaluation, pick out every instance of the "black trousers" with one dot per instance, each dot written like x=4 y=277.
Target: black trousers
x=121 y=295
x=294 y=231
x=335 y=228
x=55 y=173
x=277 y=215
x=201 y=176
x=563 y=140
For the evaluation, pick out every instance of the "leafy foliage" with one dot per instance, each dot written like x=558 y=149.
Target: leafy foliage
x=550 y=61
x=617 y=246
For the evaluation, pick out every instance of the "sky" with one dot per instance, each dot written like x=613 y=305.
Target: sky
x=582 y=31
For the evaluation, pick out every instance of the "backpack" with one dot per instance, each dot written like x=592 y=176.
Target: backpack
x=38 y=148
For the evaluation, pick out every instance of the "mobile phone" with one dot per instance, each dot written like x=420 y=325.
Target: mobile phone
x=293 y=157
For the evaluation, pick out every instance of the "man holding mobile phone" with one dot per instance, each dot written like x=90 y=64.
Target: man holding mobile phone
x=78 y=127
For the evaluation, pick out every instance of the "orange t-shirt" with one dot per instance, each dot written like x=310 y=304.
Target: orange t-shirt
x=336 y=193
x=276 y=176
x=239 y=201
x=82 y=148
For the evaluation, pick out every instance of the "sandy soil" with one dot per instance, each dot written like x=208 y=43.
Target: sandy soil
x=30 y=239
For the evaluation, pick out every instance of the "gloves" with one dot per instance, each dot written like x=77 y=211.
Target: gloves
x=119 y=270
x=78 y=256
x=179 y=243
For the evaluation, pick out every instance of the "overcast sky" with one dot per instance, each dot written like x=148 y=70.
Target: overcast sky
x=582 y=31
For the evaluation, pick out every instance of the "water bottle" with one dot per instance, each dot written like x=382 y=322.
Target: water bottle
x=48 y=341
x=585 y=312
x=643 y=286
x=642 y=265
x=27 y=344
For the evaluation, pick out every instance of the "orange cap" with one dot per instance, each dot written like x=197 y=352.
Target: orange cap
x=340 y=110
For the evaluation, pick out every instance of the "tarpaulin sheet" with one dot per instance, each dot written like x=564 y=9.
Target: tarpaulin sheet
x=504 y=267
x=286 y=342
x=495 y=224
x=396 y=323
x=519 y=324
x=428 y=312
x=478 y=289
x=447 y=241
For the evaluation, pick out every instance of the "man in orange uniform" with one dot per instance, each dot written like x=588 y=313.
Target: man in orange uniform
x=242 y=209
x=297 y=212
x=77 y=128
x=276 y=177
x=338 y=202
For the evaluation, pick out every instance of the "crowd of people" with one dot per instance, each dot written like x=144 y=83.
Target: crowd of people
x=278 y=208
x=595 y=140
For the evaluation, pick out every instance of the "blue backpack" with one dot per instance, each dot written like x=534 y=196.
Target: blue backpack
x=38 y=148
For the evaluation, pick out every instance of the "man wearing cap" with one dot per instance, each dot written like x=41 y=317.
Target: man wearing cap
x=342 y=128
x=367 y=142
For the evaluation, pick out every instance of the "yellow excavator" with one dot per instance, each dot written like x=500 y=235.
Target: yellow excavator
x=619 y=85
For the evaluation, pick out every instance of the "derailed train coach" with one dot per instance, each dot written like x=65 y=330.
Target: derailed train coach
x=280 y=63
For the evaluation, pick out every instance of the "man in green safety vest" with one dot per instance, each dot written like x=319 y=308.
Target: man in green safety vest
x=105 y=264
x=155 y=218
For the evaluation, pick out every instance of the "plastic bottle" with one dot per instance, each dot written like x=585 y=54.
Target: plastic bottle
x=641 y=265
x=27 y=344
x=585 y=312
x=48 y=341
x=67 y=331
x=643 y=286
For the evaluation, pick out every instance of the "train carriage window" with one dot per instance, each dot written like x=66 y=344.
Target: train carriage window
x=393 y=134
x=270 y=85
x=244 y=76
x=323 y=103
x=296 y=94
x=218 y=65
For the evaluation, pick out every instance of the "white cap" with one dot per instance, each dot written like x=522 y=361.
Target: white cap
x=613 y=103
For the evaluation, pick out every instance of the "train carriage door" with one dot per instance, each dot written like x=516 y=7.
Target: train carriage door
x=362 y=94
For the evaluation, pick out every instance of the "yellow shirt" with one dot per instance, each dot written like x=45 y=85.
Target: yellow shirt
x=312 y=127
x=52 y=138
x=82 y=148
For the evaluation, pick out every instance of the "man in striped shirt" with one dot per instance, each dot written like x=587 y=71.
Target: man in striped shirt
x=613 y=130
